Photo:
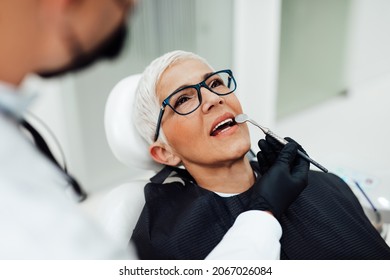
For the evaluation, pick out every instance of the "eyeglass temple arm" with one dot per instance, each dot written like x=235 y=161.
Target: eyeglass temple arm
x=162 y=109
x=229 y=81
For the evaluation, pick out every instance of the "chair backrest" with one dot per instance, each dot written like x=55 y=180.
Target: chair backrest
x=121 y=207
x=125 y=142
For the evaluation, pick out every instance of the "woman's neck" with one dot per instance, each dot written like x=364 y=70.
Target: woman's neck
x=232 y=177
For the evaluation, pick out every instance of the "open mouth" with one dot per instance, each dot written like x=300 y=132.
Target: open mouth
x=222 y=126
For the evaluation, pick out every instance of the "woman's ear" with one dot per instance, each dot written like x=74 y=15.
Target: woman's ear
x=163 y=154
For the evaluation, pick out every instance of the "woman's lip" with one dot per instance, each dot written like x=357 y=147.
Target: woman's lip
x=227 y=131
x=221 y=119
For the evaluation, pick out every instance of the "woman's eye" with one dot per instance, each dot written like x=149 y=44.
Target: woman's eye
x=216 y=83
x=181 y=100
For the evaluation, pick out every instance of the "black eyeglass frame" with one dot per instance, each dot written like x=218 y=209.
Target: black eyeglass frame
x=197 y=87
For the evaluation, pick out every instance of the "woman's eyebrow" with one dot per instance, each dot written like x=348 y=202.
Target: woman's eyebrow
x=204 y=76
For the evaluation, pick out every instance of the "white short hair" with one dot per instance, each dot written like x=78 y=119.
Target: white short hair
x=146 y=105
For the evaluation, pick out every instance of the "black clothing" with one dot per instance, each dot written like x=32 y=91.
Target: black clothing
x=185 y=221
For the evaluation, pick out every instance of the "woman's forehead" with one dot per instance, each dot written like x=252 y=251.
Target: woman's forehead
x=181 y=73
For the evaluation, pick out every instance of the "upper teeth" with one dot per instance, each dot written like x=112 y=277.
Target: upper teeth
x=222 y=123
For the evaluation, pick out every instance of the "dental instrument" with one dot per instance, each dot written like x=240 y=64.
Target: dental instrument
x=241 y=118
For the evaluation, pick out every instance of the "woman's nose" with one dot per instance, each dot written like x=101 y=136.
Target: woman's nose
x=210 y=99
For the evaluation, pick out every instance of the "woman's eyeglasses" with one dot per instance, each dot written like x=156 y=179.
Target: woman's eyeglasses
x=186 y=100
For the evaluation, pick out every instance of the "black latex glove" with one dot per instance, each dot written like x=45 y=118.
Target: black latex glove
x=269 y=151
x=285 y=177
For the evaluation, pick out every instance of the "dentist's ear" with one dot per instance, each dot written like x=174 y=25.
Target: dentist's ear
x=163 y=154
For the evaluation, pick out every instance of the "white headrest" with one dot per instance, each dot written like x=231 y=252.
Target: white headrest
x=125 y=142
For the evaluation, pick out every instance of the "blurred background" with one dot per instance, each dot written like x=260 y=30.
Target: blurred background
x=317 y=71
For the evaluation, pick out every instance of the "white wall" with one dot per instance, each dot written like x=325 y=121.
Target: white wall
x=255 y=58
x=369 y=43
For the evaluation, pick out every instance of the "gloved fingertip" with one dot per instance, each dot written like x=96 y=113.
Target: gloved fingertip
x=261 y=143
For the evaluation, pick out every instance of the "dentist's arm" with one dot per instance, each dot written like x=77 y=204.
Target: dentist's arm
x=254 y=235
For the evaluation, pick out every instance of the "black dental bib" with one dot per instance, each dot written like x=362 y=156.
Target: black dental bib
x=181 y=220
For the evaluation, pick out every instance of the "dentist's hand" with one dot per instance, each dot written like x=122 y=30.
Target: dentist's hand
x=284 y=176
x=269 y=151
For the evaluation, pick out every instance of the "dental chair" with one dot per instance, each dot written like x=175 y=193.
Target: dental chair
x=121 y=207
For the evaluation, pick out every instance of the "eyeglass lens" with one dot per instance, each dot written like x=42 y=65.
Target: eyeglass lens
x=187 y=99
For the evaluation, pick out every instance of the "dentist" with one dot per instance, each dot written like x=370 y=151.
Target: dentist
x=48 y=38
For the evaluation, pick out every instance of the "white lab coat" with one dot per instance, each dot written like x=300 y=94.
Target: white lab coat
x=254 y=235
x=39 y=221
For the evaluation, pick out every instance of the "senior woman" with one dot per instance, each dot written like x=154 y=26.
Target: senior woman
x=185 y=110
